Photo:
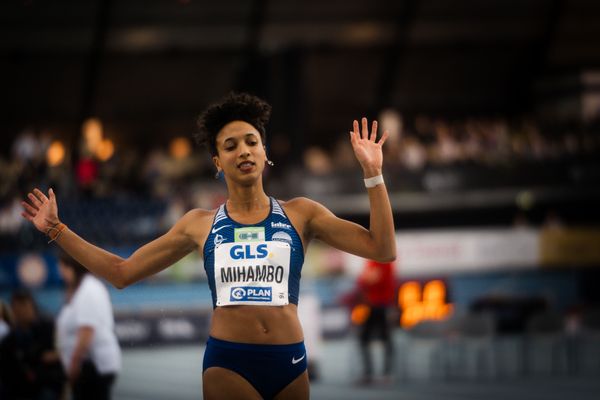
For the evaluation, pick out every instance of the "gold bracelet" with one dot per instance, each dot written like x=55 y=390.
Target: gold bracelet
x=55 y=231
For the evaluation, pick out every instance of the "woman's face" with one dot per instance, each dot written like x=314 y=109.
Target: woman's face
x=66 y=273
x=240 y=152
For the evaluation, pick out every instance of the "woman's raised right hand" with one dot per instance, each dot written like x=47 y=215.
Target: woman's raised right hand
x=40 y=210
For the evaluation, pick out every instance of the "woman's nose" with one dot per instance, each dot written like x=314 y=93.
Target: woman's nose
x=244 y=150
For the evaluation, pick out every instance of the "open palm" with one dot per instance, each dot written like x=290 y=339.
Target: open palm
x=41 y=211
x=367 y=150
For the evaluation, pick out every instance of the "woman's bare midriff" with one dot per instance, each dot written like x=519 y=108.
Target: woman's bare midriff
x=257 y=324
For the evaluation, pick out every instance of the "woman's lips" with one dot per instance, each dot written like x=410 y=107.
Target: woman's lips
x=246 y=166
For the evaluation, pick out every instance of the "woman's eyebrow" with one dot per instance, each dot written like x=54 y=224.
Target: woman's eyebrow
x=233 y=138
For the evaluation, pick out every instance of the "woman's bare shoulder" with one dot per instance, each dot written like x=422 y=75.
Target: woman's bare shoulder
x=197 y=218
x=301 y=207
x=298 y=203
x=196 y=224
x=197 y=214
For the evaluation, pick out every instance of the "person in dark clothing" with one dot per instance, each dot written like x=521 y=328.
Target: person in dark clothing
x=376 y=284
x=29 y=365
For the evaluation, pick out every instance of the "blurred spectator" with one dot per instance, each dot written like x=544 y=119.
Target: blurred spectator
x=153 y=172
x=472 y=146
x=520 y=220
x=86 y=171
x=166 y=174
x=29 y=364
x=552 y=220
x=26 y=147
x=176 y=208
x=9 y=176
x=123 y=169
x=445 y=150
x=88 y=346
x=376 y=284
x=60 y=178
x=391 y=121
x=6 y=320
x=424 y=129
x=10 y=216
x=343 y=155
x=571 y=144
x=539 y=147
x=317 y=161
x=28 y=159
x=412 y=154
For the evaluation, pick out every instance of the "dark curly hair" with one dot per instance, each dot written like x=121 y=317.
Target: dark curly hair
x=69 y=262
x=234 y=107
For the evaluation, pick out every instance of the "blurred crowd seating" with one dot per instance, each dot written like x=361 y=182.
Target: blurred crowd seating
x=133 y=195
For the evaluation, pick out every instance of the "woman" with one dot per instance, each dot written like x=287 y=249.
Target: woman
x=253 y=248
x=85 y=334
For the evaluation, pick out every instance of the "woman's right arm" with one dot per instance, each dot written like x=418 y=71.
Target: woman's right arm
x=151 y=258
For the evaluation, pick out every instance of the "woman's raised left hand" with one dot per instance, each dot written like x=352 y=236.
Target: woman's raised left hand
x=366 y=147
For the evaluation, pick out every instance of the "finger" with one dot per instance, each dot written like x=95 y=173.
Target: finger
x=40 y=195
x=384 y=137
x=373 y=131
x=52 y=195
x=356 y=129
x=29 y=209
x=365 y=129
x=34 y=200
x=26 y=216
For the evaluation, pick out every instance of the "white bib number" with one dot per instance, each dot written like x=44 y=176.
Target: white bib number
x=252 y=273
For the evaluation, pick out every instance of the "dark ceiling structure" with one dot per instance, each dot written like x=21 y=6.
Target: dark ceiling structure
x=148 y=67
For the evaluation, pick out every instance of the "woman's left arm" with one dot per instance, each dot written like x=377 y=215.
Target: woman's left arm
x=85 y=335
x=379 y=241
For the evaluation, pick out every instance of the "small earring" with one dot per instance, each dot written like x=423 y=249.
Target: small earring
x=270 y=163
x=218 y=174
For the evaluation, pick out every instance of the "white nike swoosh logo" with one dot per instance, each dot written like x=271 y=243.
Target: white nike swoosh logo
x=215 y=230
x=294 y=361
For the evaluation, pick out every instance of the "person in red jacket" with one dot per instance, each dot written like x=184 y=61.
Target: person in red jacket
x=377 y=285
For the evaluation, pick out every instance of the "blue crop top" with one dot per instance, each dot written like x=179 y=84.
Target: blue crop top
x=258 y=264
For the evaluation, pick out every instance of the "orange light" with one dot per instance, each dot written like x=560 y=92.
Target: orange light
x=180 y=148
x=360 y=314
x=92 y=134
x=411 y=315
x=55 y=155
x=409 y=294
x=434 y=292
x=105 y=150
x=432 y=305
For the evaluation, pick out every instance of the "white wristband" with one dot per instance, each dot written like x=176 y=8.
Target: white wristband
x=374 y=181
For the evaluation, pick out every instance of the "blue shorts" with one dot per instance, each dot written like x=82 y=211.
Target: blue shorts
x=268 y=367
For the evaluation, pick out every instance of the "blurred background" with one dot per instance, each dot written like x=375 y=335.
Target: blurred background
x=492 y=168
